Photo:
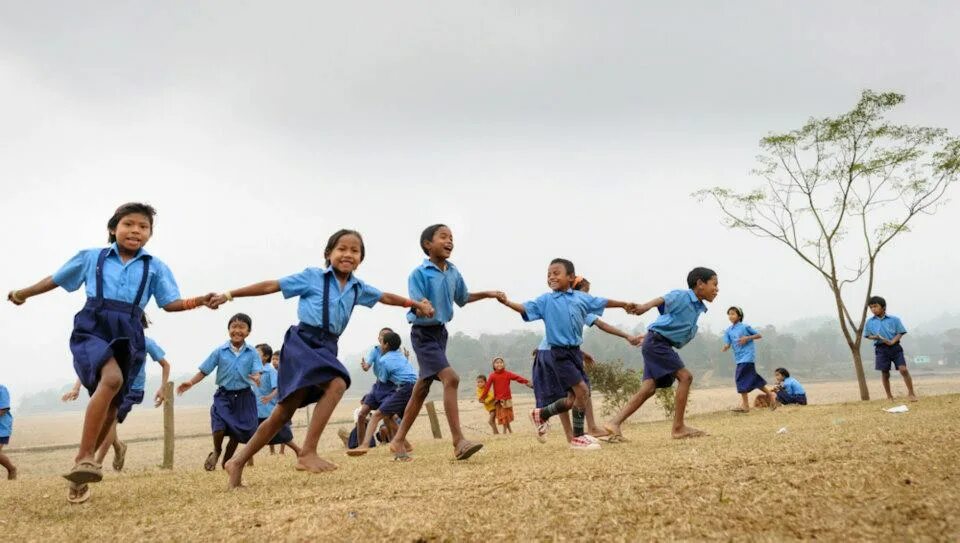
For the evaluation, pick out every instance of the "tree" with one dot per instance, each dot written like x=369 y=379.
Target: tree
x=838 y=191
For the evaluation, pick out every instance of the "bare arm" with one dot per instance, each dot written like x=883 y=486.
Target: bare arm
x=186 y=304
x=895 y=340
x=164 y=377
x=483 y=295
x=614 y=331
x=640 y=309
x=18 y=297
x=189 y=384
x=73 y=394
x=262 y=288
x=423 y=307
x=725 y=348
x=502 y=298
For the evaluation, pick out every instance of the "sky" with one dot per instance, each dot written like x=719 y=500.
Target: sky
x=534 y=130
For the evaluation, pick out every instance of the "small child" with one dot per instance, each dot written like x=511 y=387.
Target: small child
x=266 y=393
x=740 y=337
x=380 y=389
x=674 y=328
x=234 y=410
x=886 y=331
x=500 y=381
x=788 y=389
x=6 y=430
x=489 y=403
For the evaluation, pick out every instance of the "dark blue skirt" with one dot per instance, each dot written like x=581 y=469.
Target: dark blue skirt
x=134 y=397
x=308 y=359
x=234 y=412
x=747 y=378
x=285 y=435
x=377 y=393
x=104 y=330
x=396 y=401
x=660 y=360
x=546 y=384
x=430 y=345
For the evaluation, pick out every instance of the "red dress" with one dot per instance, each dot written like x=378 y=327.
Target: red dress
x=500 y=380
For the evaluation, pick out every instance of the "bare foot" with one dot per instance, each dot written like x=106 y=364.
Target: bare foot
x=398 y=448
x=913 y=397
x=613 y=429
x=890 y=397
x=12 y=474
x=686 y=432
x=407 y=445
x=234 y=474
x=598 y=432
x=314 y=464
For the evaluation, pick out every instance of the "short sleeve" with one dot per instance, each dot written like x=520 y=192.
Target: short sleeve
x=210 y=363
x=369 y=295
x=751 y=331
x=71 y=275
x=416 y=285
x=4 y=398
x=253 y=359
x=461 y=295
x=726 y=337
x=900 y=328
x=868 y=329
x=373 y=356
x=672 y=299
x=533 y=310
x=154 y=350
x=273 y=380
x=591 y=319
x=595 y=304
x=297 y=284
x=165 y=289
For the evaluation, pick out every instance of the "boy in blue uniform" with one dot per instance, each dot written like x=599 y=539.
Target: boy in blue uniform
x=266 y=394
x=380 y=389
x=565 y=312
x=6 y=429
x=788 y=389
x=234 y=410
x=741 y=337
x=886 y=331
x=674 y=328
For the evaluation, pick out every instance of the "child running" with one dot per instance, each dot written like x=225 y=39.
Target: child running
x=565 y=312
x=380 y=389
x=500 y=379
x=107 y=340
x=309 y=369
x=234 y=410
x=741 y=337
x=674 y=328
x=886 y=331
x=266 y=394
x=789 y=391
x=489 y=403
x=440 y=282
x=6 y=430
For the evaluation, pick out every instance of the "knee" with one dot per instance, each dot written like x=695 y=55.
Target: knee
x=903 y=370
x=111 y=379
x=337 y=386
x=685 y=377
x=452 y=381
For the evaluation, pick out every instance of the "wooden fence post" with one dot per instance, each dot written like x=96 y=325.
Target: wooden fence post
x=434 y=423
x=167 y=426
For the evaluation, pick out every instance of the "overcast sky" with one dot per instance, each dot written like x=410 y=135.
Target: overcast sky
x=535 y=130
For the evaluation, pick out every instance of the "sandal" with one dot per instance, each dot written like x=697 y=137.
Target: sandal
x=78 y=493
x=357 y=452
x=120 y=457
x=469 y=449
x=211 y=462
x=402 y=457
x=85 y=472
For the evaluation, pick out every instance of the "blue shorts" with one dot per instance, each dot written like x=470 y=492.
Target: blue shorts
x=568 y=366
x=747 y=378
x=787 y=399
x=889 y=355
x=377 y=393
x=134 y=397
x=5 y=440
x=660 y=360
x=234 y=412
x=396 y=401
x=430 y=345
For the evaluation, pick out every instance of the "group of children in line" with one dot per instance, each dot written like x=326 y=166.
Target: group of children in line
x=254 y=405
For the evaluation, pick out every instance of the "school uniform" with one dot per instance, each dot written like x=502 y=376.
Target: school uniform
x=109 y=324
x=546 y=384
x=234 y=409
x=308 y=358
x=887 y=327
x=6 y=420
x=381 y=388
x=401 y=377
x=135 y=396
x=674 y=328
x=268 y=383
x=745 y=357
x=792 y=392
x=428 y=336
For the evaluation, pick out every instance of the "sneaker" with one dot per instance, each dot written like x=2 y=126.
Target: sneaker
x=582 y=443
x=590 y=438
x=540 y=425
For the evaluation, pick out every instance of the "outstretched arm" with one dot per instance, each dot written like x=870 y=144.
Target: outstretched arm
x=423 y=307
x=191 y=303
x=262 y=288
x=502 y=298
x=189 y=384
x=164 y=377
x=614 y=331
x=640 y=309
x=483 y=295
x=18 y=297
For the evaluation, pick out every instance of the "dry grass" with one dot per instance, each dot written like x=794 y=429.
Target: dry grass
x=842 y=471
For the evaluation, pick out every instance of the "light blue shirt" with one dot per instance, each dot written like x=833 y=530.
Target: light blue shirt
x=792 y=386
x=157 y=354
x=590 y=321
x=397 y=368
x=308 y=285
x=233 y=368
x=373 y=358
x=6 y=421
x=120 y=280
x=886 y=327
x=268 y=383
x=742 y=354
x=442 y=288
x=678 y=317
x=564 y=315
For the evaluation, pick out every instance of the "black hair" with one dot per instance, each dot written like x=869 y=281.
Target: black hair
x=877 y=300
x=144 y=321
x=783 y=372
x=266 y=350
x=479 y=377
x=332 y=243
x=699 y=274
x=736 y=310
x=241 y=317
x=392 y=341
x=386 y=329
x=583 y=285
x=567 y=265
x=427 y=235
x=129 y=209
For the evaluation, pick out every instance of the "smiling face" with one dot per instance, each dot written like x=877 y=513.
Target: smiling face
x=440 y=246
x=707 y=290
x=733 y=316
x=558 y=279
x=498 y=364
x=133 y=232
x=275 y=360
x=346 y=254
x=238 y=332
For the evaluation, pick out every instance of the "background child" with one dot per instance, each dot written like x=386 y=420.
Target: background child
x=380 y=389
x=886 y=331
x=788 y=389
x=234 y=410
x=266 y=394
x=500 y=379
x=6 y=430
x=741 y=337
x=488 y=401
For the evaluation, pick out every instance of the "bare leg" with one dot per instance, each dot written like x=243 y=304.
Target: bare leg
x=281 y=448
x=647 y=389
x=772 y=396
x=364 y=445
x=567 y=425
x=265 y=432
x=507 y=429
x=907 y=380
x=228 y=453
x=273 y=452
x=451 y=382
x=100 y=412
x=592 y=427
x=885 y=378
x=293 y=447
x=110 y=441
x=493 y=422
x=362 y=420
x=681 y=430
x=6 y=463
x=410 y=414
x=745 y=401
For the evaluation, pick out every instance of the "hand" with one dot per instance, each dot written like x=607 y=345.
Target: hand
x=406 y=353
x=743 y=341
x=207 y=300
x=424 y=309
x=265 y=400
x=216 y=301
x=255 y=377
x=636 y=341
x=183 y=388
x=158 y=397
x=501 y=297
x=364 y=366
x=498 y=294
x=13 y=296
x=70 y=396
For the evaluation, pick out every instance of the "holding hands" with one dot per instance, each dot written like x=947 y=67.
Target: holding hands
x=637 y=309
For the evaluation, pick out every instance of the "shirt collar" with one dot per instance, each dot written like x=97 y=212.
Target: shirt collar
x=350 y=280
x=228 y=345
x=696 y=301
x=141 y=252
x=557 y=293
x=427 y=263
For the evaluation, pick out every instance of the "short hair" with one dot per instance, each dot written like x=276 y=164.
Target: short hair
x=241 y=317
x=699 y=274
x=386 y=329
x=877 y=300
x=482 y=378
x=144 y=321
x=783 y=372
x=392 y=341
x=427 y=235
x=332 y=243
x=129 y=209
x=736 y=310
x=267 y=350
x=567 y=265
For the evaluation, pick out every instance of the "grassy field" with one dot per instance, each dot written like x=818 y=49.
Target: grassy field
x=840 y=471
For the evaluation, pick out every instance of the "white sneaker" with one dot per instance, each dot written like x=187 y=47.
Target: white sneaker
x=583 y=444
x=590 y=438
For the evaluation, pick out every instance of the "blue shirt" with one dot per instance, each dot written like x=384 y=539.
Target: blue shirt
x=268 y=383
x=792 y=386
x=157 y=354
x=678 y=317
x=373 y=358
x=742 y=354
x=308 y=285
x=886 y=327
x=6 y=421
x=233 y=368
x=590 y=321
x=120 y=280
x=442 y=288
x=397 y=368
x=564 y=315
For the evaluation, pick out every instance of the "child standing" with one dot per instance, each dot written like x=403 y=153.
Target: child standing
x=674 y=328
x=740 y=337
x=6 y=430
x=788 y=389
x=234 y=410
x=886 y=331
x=500 y=381
x=440 y=282
x=489 y=403
x=309 y=369
x=107 y=340
x=266 y=394
x=565 y=312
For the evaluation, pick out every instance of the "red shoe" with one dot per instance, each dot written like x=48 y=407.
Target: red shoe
x=540 y=425
x=584 y=443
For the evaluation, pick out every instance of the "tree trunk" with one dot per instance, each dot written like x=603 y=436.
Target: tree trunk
x=861 y=378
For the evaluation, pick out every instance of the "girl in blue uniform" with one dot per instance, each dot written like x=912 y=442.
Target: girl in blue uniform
x=107 y=341
x=741 y=337
x=6 y=428
x=266 y=393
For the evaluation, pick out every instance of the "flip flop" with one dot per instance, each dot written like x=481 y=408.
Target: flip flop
x=402 y=457
x=615 y=439
x=120 y=457
x=738 y=410
x=78 y=493
x=357 y=452
x=698 y=433
x=85 y=472
x=468 y=450
x=210 y=463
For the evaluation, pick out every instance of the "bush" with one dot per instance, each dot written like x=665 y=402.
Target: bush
x=616 y=383
x=666 y=399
